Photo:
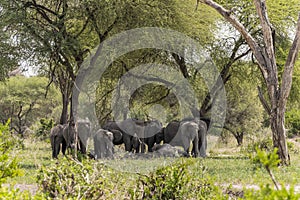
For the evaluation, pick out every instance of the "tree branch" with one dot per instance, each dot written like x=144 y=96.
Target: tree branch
x=256 y=50
x=268 y=32
x=289 y=66
x=263 y=101
x=159 y=99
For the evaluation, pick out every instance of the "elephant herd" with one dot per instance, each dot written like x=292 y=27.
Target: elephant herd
x=136 y=135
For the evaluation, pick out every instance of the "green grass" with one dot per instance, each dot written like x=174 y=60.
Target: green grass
x=233 y=169
x=35 y=154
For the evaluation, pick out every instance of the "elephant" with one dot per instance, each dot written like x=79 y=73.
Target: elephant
x=70 y=134
x=145 y=131
x=167 y=150
x=152 y=133
x=119 y=135
x=84 y=132
x=171 y=130
x=202 y=138
x=201 y=135
x=103 y=144
x=57 y=140
x=64 y=136
x=182 y=133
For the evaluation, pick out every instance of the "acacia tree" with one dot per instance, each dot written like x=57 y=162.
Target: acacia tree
x=60 y=34
x=264 y=54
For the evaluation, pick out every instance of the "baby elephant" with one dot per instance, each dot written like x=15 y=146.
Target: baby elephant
x=103 y=144
x=167 y=150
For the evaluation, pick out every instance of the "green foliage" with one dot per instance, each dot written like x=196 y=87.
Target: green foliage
x=267 y=192
x=9 y=193
x=45 y=126
x=23 y=100
x=292 y=147
x=292 y=119
x=70 y=179
x=244 y=112
x=175 y=182
x=264 y=144
x=268 y=160
x=9 y=166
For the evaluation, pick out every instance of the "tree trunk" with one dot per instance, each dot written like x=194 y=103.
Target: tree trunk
x=64 y=113
x=266 y=60
x=279 y=136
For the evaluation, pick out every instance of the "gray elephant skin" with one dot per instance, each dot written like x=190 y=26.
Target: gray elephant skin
x=167 y=150
x=57 y=140
x=119 y=135
x=103 y=144
x=144 y=131
x=172 y=130
x=63 y=136
x=84 y=133
x=202 y=135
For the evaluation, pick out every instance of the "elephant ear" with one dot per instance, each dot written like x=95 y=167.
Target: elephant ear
x=117 y=135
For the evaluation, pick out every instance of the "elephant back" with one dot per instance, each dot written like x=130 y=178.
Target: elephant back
x=111 y=125
x=56 y=130
x=188 y=128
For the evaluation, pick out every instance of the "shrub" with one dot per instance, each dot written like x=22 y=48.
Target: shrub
x=44 y=127
x=175 y=182
x=292 y=119
x=70 y=179
x=267 y=192
x=265 y=144
x=270 y=161
x=8 y=164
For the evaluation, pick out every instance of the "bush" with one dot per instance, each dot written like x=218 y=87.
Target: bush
x=267 y=192
x=44 y=127
x=292 y=119
x=270 y=161
x=175 y=182
x=70 y=179
x=8 y=164
x=265 y=144
x=8 y=193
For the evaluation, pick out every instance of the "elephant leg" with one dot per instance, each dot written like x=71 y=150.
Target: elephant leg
x=127 y=142
x=96 y=149
x=150 y=143
x=55 y=150
x=63 y=146
x=202 y=145
x=143 y=146
x=135 y=143
x=137 y=148
x=82 y=147
x=56 y=145
x=185 y=143
x=195 y=145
